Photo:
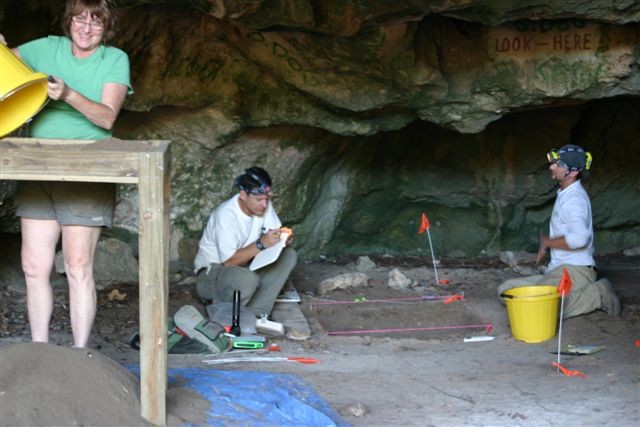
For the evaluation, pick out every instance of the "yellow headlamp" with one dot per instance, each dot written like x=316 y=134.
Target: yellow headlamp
x=587 y=163
x=552 y=156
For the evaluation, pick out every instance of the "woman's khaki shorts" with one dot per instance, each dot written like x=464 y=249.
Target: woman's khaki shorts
x=70 y=203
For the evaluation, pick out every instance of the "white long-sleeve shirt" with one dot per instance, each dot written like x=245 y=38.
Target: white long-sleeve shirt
x=230 y=229
x=572 y=219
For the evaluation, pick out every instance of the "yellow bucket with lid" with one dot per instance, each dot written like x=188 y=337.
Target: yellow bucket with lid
x=22 y=92
x=533 y=312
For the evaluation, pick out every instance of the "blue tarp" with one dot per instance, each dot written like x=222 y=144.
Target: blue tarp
x=256 y=398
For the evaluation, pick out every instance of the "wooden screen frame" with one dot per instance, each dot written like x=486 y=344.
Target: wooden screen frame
x=147 y=164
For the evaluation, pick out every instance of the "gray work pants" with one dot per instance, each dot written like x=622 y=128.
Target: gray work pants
x=585 y=295
x=258 y=289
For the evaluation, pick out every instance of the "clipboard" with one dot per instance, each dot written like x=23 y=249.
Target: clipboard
x=267 y=256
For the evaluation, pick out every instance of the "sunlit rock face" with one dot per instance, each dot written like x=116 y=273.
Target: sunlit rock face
x=369 y=113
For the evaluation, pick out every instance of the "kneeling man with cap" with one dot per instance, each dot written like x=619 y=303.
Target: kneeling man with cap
x=237 y=230
x=570 y=240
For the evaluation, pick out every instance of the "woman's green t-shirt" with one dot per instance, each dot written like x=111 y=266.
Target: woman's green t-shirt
x=52 y=55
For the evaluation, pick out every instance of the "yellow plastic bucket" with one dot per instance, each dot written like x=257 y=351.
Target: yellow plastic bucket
x=22 y=92
x=533 y=312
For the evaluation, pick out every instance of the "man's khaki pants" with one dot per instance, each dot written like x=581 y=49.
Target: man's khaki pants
x=258 y=289
x=585 y=295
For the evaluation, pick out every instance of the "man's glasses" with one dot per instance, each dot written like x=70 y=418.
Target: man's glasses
x=81 y=21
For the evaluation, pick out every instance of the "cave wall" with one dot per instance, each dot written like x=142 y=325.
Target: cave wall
x=367 y=114
x=483 y=192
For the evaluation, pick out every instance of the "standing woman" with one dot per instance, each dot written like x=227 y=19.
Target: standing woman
x=87 y=85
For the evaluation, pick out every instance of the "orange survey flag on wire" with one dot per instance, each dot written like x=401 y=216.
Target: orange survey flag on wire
x=564 y=287
x=457 y=297
x=424 y=224
x=569 y=372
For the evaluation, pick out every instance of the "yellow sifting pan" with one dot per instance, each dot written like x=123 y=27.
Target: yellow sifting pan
x=22 y=92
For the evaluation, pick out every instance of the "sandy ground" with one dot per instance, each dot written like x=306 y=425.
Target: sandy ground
x=429 y=377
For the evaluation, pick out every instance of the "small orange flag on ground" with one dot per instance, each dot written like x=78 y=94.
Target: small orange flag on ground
x=424 y=224
x=569 y=372
x=453 y=298
x=564 y=287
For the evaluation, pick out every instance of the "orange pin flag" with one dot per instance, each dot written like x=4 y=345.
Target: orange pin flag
x=424 y=224
x=569 y=372
x=564 y=287
x=457 y=297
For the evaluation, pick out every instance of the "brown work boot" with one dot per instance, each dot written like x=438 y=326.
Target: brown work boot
x=610 y=301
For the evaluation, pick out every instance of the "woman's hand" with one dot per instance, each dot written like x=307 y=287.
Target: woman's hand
x=57 y=88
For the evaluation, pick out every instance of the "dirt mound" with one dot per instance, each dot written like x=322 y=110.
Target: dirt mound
x=49 y=385
x=44 y=384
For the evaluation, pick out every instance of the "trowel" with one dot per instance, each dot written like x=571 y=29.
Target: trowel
x=579 y=350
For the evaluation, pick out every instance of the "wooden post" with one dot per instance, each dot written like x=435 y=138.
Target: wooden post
x=146 y=163
x=153 y=190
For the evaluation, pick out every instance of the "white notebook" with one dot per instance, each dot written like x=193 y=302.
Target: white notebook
x=267 y=256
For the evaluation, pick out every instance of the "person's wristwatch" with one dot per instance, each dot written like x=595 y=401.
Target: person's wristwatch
x=259 y=245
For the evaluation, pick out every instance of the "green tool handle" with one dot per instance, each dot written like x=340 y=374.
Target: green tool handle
x=248 y=344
